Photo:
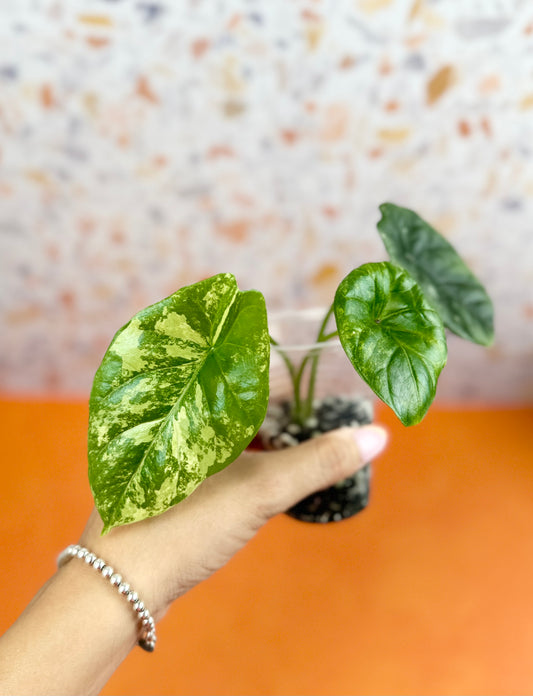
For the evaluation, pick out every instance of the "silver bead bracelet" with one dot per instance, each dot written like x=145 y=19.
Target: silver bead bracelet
x=147 y=637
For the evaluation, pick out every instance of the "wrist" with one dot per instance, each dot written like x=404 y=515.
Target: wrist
x=145 y=621
x=127 y=552
x=113 y=616
x=76 y=627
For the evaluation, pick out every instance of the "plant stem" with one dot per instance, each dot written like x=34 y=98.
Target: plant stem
x=299 y=414
x=292 y=372
x=321 y=337
x=314 y=355
x=303 y=406
x=308 y=407
x=331 y=335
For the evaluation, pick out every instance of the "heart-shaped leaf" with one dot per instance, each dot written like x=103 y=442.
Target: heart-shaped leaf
x=449 y=284
x=393 y=337
x=181 y=391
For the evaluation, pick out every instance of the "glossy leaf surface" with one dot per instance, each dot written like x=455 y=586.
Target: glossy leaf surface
x=448 y=283
x=181 y=391
x=393 y=337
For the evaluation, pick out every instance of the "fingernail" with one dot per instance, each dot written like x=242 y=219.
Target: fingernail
x=371 y=440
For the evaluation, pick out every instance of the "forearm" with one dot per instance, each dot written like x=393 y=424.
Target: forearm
x=70 y=639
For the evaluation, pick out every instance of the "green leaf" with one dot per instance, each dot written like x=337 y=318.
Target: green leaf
x=181 y=391
x=393 y=337
x=449 y=284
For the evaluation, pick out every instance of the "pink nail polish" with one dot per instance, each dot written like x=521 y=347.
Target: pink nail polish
x=371 y=440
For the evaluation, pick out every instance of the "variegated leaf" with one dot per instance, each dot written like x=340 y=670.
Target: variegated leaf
x=180 y=392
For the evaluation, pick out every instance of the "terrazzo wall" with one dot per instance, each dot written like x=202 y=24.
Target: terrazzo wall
x=146 y=145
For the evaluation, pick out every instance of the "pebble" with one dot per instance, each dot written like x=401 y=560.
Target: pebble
x=288 y=440
x=311 y=423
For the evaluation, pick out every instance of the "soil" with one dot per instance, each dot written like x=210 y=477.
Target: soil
x=347 y=497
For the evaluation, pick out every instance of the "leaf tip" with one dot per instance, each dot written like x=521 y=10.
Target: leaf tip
x=409 y=421
x=386 y=207
x=228 y=277
x=487 y=340
x=108 y=521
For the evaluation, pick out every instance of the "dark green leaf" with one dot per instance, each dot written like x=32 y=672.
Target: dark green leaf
x=181 y=391
x=393 y=337
x=449 y=284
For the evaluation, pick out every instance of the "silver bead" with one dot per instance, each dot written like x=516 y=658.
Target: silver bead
x=107 y=571
x=82 y=552
x=139 y=607
x=145 y=622
x=98 y=564
x=90 y=558
x=149 y=646
x=123 y=588
x=115 y=579
x=133 y=597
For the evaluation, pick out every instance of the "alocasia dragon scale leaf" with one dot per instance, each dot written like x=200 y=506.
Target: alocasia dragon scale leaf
x=180 y=392
x=393 y=337
x=446 y=280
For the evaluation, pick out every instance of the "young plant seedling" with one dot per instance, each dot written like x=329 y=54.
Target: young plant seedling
x=183 y=387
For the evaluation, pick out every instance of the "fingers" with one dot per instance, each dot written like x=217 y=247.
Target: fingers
x=288 y=476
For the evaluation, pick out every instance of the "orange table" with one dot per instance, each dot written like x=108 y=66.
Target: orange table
x=428 y=591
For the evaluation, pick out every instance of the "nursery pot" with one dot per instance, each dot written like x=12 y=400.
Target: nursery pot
x=339 y=398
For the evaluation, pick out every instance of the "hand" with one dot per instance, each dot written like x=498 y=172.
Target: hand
x=164 y=556
x=76 y=631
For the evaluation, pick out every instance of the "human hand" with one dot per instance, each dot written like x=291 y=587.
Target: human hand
x=164 y=556
x=75 y=632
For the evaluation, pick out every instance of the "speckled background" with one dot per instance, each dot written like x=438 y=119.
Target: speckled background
x=146 y=145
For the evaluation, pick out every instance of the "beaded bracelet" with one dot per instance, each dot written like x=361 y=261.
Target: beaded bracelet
x=147 y=639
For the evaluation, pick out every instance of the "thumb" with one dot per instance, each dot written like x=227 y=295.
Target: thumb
x=296 y=472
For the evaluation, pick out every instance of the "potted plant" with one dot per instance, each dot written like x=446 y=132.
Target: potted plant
x=184 y=386
x=314 y=389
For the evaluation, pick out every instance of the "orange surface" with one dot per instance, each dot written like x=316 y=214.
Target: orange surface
x=428 y=591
